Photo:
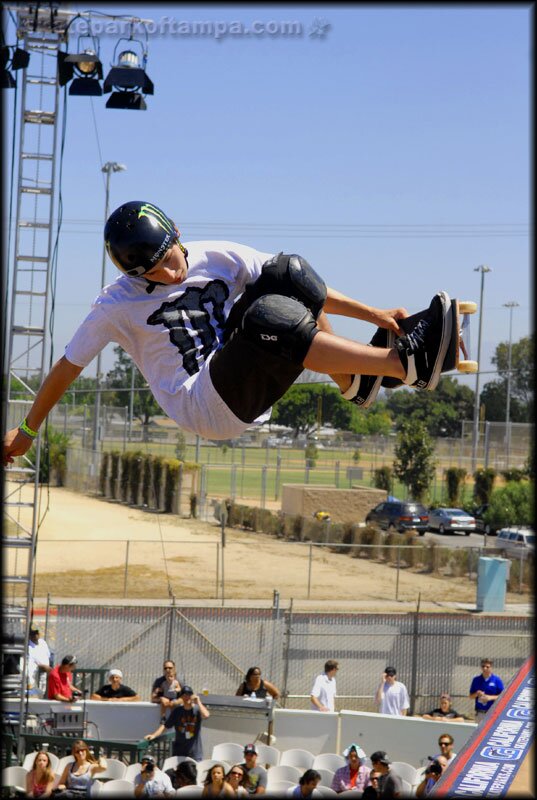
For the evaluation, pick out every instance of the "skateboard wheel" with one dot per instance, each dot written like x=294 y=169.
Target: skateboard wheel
x=467 y=366
x=467 y=307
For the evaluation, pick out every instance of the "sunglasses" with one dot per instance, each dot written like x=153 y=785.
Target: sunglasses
x=236 y=774
x=444 y=744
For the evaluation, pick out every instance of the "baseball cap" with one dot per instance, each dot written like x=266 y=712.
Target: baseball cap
x=359 y=752
x=186 y=690
x=113 y=672
x=390 y=671
x=250 y=748
x=148 y=759
x=381 y=756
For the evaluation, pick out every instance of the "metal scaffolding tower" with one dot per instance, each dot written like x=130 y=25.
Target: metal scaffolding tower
x=41 y=29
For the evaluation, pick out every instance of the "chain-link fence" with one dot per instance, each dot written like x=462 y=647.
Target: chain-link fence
x=213 y=648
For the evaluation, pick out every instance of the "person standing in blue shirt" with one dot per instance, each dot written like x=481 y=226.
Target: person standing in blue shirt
x=485 y=688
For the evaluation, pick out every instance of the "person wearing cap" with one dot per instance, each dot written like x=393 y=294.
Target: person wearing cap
x=354 y=775
x=389 y=784
x=444 y=711
x=430 y=778
x=186 y=717
x=323 y=693
x=38 y=662
x=255 y=781
x=60 y=681
x=151 y=781
x=115 y=690
x=392 y=695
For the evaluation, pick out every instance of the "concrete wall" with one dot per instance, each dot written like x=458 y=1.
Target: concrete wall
x=343 y=505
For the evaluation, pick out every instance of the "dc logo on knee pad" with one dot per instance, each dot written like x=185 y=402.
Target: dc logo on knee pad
x=267 y=337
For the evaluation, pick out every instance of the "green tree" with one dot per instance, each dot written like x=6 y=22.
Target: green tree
x=483 y=483
x=145 y=407
x=494 y=398
x=513 y=504
x=441 y=411
x=454 y=479
x=298 y=408
x=414 y=464
x=53 y=456
x=522 y=368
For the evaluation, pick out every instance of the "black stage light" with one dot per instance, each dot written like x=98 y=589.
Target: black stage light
x=19 y=59
x=87 y=68
x=130 y=81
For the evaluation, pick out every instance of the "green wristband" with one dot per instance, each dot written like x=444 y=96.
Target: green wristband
x=25 y=428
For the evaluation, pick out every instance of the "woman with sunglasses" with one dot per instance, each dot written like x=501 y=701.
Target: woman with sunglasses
x=40 y=779
x=235 y=778
x=253 y=685
x=215 y=785
x=77 y=778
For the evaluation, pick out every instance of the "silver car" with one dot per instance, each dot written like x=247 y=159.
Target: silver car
x=445 y=520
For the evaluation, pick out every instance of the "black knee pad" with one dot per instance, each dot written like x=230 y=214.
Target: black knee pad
x=292 y=276
x=281 y=326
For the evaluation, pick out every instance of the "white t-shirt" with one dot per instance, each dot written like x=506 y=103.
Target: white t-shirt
x=394 y=699
x=324 y=689
x=37 y=654
x=172 y=332
x=159 y=785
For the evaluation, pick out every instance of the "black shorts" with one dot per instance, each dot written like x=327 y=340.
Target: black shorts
x=249 y=377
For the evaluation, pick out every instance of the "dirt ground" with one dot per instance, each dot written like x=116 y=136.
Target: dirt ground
x=84 y=542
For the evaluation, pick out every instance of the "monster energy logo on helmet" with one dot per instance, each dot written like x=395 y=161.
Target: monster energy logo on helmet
x=134 y=237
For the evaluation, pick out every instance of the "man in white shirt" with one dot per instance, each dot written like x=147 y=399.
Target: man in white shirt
x=151 y=782
x=323 y=694
x=38 y=663
x=392 y=695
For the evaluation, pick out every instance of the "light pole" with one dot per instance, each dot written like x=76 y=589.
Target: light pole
x=109 y=167
x=475 y=438
x=510 y=305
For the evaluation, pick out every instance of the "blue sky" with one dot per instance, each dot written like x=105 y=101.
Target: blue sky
x=392 y=152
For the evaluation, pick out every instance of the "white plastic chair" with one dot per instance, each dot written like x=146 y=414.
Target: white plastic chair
x=231 y=752
x=281 y=787
x=62 y=764
x=95 y=789
x=326 y=776
x=332 y=761
x=133 y=770
x=324 y=791
x=117 y=788
x=190 y=791
x=282 y=772
x=29 y=759
x=172 y=761
x=15 y=776
x=206 y=764
x=268 y=755
x=115 y=770
x=405 y=771
x=302 y=759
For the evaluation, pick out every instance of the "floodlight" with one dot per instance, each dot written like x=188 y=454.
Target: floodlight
x=87 y=68
x=129 y=79
x=18 y=59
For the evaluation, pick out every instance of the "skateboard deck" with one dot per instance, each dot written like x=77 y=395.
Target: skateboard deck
x=461 y=310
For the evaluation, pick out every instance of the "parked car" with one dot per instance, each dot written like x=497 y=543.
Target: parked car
x=514 y=540
x=400 y=516
x=489 y=528
x=451 y=519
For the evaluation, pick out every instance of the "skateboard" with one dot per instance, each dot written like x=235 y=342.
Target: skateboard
x=461 y=310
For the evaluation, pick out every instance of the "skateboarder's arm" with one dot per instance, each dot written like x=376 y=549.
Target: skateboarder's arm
x=337 y=303
x=60 y=377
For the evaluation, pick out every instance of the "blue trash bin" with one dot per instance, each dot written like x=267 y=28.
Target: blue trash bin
x=492 y=577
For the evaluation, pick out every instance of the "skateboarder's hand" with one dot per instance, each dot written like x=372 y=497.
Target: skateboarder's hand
x=387 y=318
x=15 y=444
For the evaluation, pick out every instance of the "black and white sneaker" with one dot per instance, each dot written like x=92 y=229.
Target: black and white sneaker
x=423 y=349
x=386 y=338
x=364 y=388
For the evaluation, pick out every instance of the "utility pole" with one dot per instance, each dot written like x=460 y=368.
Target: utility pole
x=510 y=305
x=475 y=437
x=109 y=167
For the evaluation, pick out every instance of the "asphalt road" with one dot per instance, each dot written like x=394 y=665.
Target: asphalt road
x=458 y=539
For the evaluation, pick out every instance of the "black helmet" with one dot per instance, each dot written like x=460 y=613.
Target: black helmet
x=137 y=235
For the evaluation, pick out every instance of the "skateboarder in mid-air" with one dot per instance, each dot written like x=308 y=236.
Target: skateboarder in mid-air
x=220 y=331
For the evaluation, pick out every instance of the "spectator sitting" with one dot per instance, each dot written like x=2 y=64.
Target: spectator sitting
x=77 y=777
x=166 y=688
x=392 y=695
x=371 y=791
x=445 y=711
x=307 y=783
x=151 y=781
x=485 y=688
x=60 y=682
x=186 y=718
x=256 y=775
x=445 y=742
x=430 y=778
x=184 y=774
x=323 y=693
x=253 y=685
x=38 y=662
x=40 y=779
x=354 y=775
x=389 y=784
x=215 y=784
x=236 y=777
x=115 y=691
